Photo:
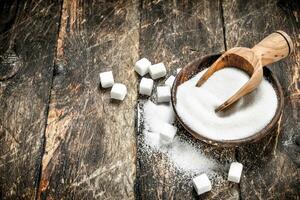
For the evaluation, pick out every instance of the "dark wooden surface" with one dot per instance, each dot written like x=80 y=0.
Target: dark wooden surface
x=90 y=146
x=28 y=41
x=61 y=136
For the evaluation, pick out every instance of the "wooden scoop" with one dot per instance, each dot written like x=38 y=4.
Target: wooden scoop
x=271 y=49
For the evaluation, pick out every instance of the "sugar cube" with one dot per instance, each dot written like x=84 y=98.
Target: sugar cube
x=178 y=70
x=118 y=91
x=146 y=86
x=142 y=66
x=235 y=171
x=202 y=184
x=169 y=82
x=157 y=70
x=167 y=133
x=106 y=79
x=163 y=94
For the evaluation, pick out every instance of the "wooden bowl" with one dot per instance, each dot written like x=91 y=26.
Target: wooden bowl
x=198 y=65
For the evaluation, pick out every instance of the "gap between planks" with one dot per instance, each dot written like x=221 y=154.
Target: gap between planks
x=58 y=54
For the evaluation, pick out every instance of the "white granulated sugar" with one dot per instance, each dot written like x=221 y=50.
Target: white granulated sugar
x=167 y=134
x=196 y=105
x=182 y=153
x=189 y=158
x=156 y=115
x=152 y=139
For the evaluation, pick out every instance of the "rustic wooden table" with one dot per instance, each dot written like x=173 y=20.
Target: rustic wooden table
x=62 y=138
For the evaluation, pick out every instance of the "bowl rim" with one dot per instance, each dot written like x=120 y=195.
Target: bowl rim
x=229 y=143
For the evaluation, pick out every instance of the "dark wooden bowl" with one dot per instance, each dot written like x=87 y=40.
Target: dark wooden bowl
x=198 y=65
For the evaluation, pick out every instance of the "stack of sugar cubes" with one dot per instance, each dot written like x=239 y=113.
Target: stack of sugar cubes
x=142 y=67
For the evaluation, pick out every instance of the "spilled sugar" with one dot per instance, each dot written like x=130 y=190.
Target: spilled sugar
x=189 y=158
x=185 y=154
x=182 y=152
x=156 y=115
x=196 y=105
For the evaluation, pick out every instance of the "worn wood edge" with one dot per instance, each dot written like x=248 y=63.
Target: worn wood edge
x=20 y=38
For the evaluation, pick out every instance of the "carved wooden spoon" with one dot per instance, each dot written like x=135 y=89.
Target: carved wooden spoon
x=271 y=49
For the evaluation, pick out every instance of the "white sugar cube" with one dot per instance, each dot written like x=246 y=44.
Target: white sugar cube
x=146 y=86
x=157 y=71
x=118 y=91
x=142 y=66
x=202 y=184
x=163 y=94
x=167 y=133
x=178 y=70
x=169 y=82
x=235 y=172
x=106 y=79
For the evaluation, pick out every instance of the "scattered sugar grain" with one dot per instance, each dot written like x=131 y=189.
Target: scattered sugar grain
x=182 y=153
x=156 y=115
x=189 y=158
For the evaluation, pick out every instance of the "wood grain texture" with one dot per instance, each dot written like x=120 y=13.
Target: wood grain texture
x=274 y=47
x=27 y=37
x=175 y=33
x=90 y=150
x=272 y=165
x=61 y=136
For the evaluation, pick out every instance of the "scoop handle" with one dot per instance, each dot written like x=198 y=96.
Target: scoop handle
x=274 y=47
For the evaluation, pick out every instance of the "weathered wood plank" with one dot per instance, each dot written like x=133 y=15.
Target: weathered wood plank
x=90 y=140
x=28 y=31
x=177 y=32
x=272 y=165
